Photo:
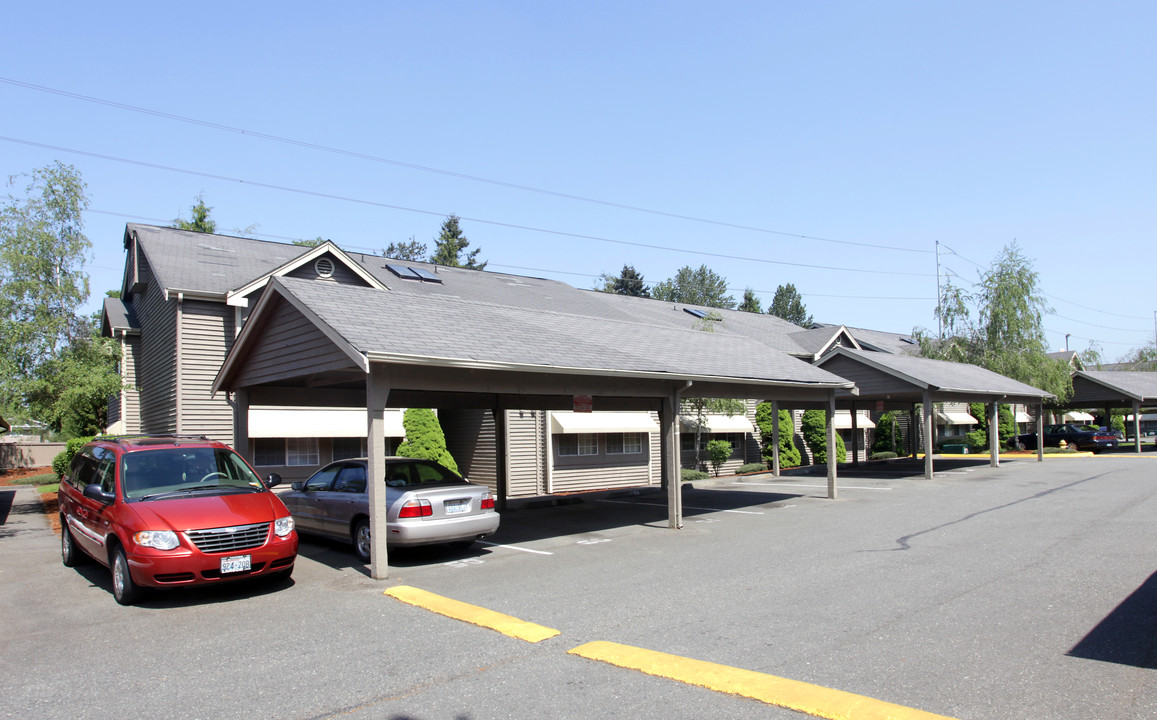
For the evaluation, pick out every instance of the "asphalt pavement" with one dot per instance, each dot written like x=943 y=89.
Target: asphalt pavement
x=1025 y=591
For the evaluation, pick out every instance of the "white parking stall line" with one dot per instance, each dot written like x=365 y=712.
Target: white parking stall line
x=841 y=487
x=515 y=547
x=689 y=507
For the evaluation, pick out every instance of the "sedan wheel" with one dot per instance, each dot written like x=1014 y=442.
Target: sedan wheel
x=362 y=540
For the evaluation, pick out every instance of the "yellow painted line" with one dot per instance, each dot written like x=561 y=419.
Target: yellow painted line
x=792 y=694
x=473 y=614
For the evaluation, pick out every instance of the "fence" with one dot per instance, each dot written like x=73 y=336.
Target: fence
x=28 y=454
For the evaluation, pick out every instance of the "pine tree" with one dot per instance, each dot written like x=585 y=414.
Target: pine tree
x=451 y=243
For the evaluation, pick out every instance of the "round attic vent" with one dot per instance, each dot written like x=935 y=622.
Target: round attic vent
x=324 y=267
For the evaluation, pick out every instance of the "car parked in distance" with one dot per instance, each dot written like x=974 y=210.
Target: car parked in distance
x=425 y=504
x=1079 y=437
x=166 y=511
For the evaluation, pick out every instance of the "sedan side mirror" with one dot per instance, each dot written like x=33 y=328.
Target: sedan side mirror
x=94 y=492
x=297 y=485
x=273 y=480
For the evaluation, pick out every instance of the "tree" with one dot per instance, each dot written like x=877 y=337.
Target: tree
x=813 y=427
x=629 y=282
x=788 y=453
x=750 y=303
x=310 y=243
x=1008 y=336
x=1144 y=358
x=412 y=251
x=43 y=250
x=696 y=409
x=888 y=437
x=719 y=451
x=70 y=393
x=788 y=304
x=1005 y=426
x=451 y=243
x=201 y=221
x=695 y=287
x=424 y=438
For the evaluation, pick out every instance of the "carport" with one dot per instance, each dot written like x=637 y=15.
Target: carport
x=310 y=343
x=1115 y=388
x=900 y=382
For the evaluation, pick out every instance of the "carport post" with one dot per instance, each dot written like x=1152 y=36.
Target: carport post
x=668 y=420
x=377 y=393
x=829 y=421
x=1137 y=425
x=241 y=424
x=855 y=438
x=1040 y=432
x=927 y=435
x=775 y=438
x=994 y=435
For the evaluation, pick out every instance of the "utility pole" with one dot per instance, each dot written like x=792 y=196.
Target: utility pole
x=940 y=316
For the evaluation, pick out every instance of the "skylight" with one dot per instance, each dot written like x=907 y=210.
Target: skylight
x=695 y=313
x=408 y=273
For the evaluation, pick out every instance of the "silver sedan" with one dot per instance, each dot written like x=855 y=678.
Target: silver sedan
x=426 y=504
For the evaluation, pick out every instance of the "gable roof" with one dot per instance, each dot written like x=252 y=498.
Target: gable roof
x=118 y=316
x=941 y=377
x=482 y=335
x=239 y=296
x=1139 y=386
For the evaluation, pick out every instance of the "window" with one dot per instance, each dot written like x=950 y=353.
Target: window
x=301 y=451
x=580 y=444
x=322 y=479
x=351 y=480
x=352 y=447
x=624 y=443
x=268 y=451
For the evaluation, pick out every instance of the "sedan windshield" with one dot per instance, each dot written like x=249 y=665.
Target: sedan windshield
x=150 y=473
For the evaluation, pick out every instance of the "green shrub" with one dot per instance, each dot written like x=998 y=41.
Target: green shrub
x=689 y=475
x=63 y=459
x=424 y=438
x=751 y=468
x=718 y=451
x=885 y=455
x=789 y=455
x=814 y=431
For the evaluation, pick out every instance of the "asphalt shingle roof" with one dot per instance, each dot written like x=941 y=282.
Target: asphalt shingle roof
x=946 y=376
x=1142 y=385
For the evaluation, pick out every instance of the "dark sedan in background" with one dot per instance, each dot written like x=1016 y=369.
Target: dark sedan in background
x=1077 y=437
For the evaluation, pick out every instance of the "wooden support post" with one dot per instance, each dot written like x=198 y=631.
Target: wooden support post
x=929 y=444
x=1137 y=425
x=377 y=394
x=994 y=434
x=830 y=429
x=672 y=468
x=501 y=458
x=241 y=424
x=1040 y=432
x=855 y=438
x=775 y=438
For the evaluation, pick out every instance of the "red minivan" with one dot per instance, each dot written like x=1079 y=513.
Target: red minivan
x=169 y=510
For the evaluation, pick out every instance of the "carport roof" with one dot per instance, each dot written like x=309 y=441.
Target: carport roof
x=903 y=378
x=1097 y=387
x=371 y=325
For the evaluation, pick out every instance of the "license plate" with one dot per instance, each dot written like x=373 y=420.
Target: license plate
x=455 y=507
x=235 y=563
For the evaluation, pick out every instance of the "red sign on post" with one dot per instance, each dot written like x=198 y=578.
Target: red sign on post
x=584 y=403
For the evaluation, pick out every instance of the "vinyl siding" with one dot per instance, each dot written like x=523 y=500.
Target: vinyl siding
x=526 y=433
x=206 y=333
x=157 y=369
x=341 y=273
x=289 y=345
x=470 y=438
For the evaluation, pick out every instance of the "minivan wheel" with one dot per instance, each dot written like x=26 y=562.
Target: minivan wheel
x=69 y=555
x=362 y=540
x=124 y=589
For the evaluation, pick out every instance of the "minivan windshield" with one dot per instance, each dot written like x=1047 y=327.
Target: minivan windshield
x=185 y=471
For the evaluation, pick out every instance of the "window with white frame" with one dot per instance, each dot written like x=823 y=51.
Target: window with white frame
x=578 y=444
x=301 y=451
x=268 y=452
x=624 y=443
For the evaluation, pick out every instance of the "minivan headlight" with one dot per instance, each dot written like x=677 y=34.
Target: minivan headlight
x=283 y=526
x=159 y=539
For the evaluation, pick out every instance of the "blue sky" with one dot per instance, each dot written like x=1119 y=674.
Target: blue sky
x=826 y=144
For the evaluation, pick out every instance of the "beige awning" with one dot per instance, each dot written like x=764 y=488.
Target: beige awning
x=1078 y=416
x=301 y=422
x=719 y=424
x=602 y=422
x=843 y=420
x=1023 y=417
x=954 y=418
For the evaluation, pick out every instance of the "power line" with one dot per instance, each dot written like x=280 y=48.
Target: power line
x=448 y=173
x=375 y=203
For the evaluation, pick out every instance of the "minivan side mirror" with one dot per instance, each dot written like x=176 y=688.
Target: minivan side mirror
x=273 y=480
x=93 y=491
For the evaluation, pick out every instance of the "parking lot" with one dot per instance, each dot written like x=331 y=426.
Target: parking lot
x=1025 y=591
